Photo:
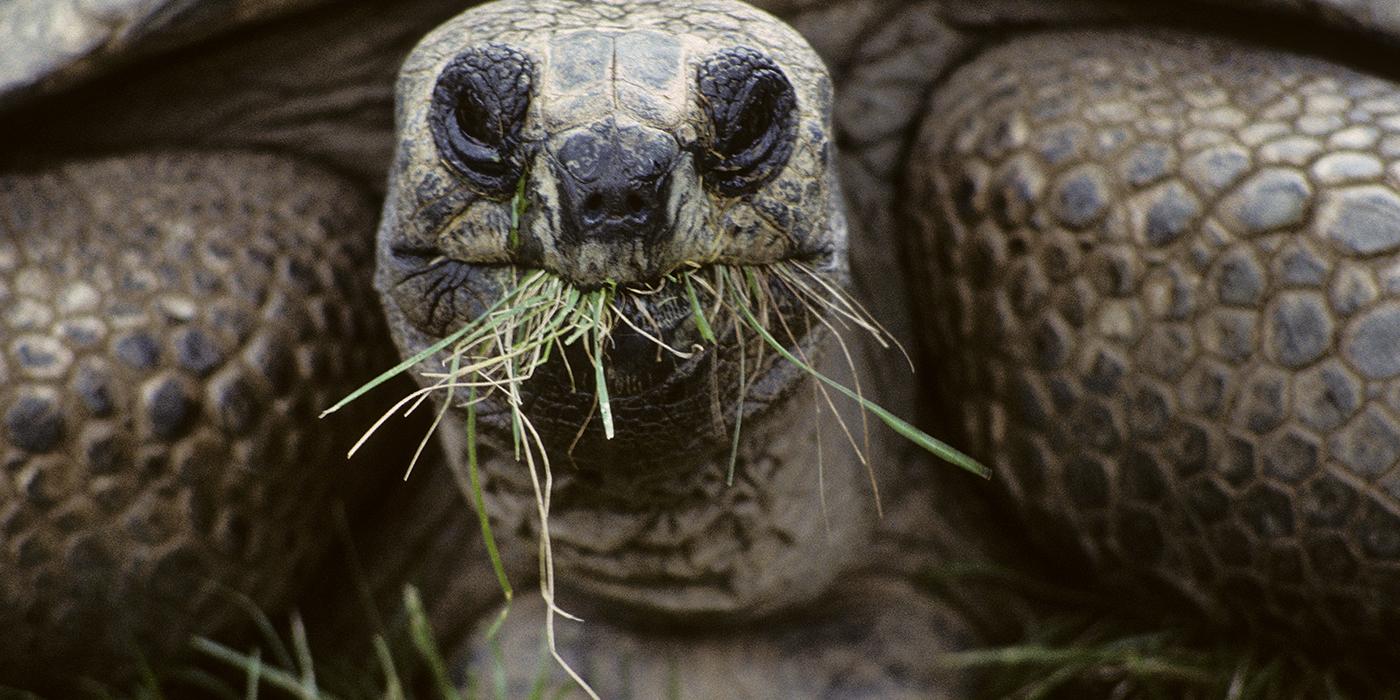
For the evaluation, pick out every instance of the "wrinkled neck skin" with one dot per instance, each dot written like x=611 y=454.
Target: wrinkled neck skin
x=680 y=545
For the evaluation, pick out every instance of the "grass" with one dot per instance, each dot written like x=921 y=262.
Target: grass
x=1080 y=654
x=1090 y=647
x=283 y=666
x=1095 y=645
x=541 y=315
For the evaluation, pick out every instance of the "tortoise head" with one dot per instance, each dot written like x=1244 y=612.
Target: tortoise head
x=612 y=145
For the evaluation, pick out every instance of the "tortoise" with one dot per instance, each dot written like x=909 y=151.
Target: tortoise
x=1145 y=257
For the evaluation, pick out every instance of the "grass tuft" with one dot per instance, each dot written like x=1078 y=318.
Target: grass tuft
x=235 y=674
x=1096 y=645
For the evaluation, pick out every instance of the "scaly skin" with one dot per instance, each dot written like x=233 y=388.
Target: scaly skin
x=1276 y=540
x=163 y=366
x=1182 y=255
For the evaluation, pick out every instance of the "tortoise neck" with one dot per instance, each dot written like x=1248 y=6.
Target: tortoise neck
x=683 y=540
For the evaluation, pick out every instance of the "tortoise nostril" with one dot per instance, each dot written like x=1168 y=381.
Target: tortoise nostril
x=614 y=182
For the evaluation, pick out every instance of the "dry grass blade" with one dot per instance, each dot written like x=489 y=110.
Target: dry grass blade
x=427 y=352
x=937 y=447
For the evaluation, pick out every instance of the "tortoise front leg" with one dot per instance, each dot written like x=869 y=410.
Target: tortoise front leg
x=1165 y=272
x=871 y=637
x=172 y=325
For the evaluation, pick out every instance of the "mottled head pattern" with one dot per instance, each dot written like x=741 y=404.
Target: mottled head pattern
x=608 y=143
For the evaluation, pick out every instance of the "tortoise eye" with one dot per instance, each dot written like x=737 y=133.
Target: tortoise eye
x=752 y=111
x=478 y=109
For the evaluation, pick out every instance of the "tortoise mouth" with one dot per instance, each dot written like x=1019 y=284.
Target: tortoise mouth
x=677 y=362
x=680 y=366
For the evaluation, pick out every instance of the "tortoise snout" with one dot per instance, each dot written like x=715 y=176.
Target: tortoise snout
x=615 y=184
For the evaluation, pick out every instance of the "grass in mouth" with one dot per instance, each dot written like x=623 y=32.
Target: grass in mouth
x=542 y=314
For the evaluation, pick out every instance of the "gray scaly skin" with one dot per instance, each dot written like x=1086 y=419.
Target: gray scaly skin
x=1184 y=284
x=175 y=318
x=1150 y=274
x=160 y=369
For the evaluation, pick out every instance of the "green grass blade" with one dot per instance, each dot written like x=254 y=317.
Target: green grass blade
x=517 y=211
x=304 y=660
x=738 y=410
x=498 y=658
x=499 y=622
x=430 y=350
x=253 y=680
x=423 y=640
x=701 y=323
x=935 y=446
x=393 y=686
x=478 y=500
x=274 y=677
x=541 y=682
x=271 y=640
x=397 y=370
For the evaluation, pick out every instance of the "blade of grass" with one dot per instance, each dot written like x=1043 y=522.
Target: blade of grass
x=701 y=323
x=423 y=641
x=655 y=340
x=517 y=211
x=437 y=420
x=270 y=639
x=479 y=501
x=855 y=379
x=935 y=446
x=274 y=677
x=541 y=682
x=216 y=688
x=547 y=589
x=424 y=354
x=1132 y=662
x=393 y=686
x=304 y=660
x=738 y=407
x=254 y=677
x=857 y=309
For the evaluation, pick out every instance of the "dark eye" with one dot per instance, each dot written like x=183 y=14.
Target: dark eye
x=752 y=111
x=478 y=109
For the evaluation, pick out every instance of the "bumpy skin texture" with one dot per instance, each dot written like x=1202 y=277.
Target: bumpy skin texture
x=1182 y=256
x=172 y=326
